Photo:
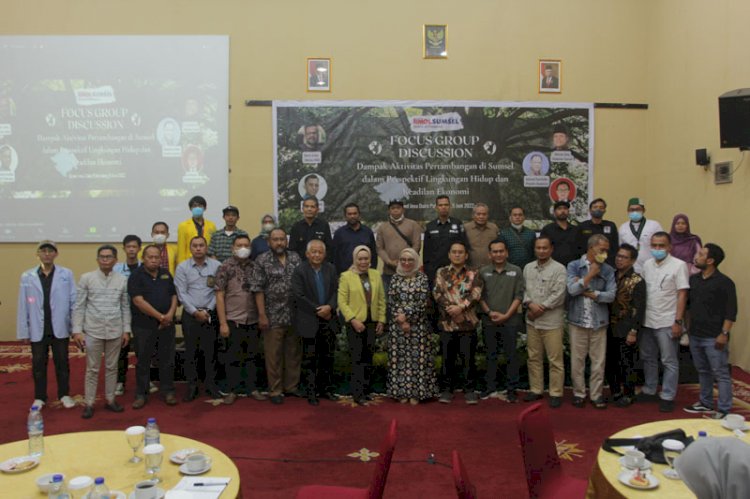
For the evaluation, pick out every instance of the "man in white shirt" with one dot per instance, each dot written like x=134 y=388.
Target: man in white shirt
x=667 y=284
x=638 y=231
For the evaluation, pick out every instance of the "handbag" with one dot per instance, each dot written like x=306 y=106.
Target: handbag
x=650 y=446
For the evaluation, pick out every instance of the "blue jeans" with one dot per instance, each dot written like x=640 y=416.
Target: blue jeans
x=656 y=344
x=712 y=364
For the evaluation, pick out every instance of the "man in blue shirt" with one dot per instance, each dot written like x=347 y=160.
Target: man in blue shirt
x=351 y=235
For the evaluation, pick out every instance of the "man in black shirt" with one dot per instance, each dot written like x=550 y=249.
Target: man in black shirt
x=597 y=225
x=153 y=305
x=309 y=228
x=563 y=235
x=439 y=235
x=712 y=305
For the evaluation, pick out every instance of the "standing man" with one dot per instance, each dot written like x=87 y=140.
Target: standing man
x=394 y=236
x=713 y=312
x=591 y=287
x=638 y=231
x=272 y=285
x=544 y=298
x=315 y=286
x=480 y=232
x=196 y=225
x=502 y=296
x=667 y=288
x=597 y=225
x=349 y=236
x=563 y=235
x=194 y=282
x=238 y=319
x=625 y=320
x=439 y=235
x=153 y=305
x=102 y=314
x=46 y=300
x=167 y=251
x=518 y=239
x=222 y=240
x=458 y=291
x=309 y=228
x=131 y=244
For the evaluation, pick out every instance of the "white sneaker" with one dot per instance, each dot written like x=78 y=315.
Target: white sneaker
x=152 y=388
x=68 y=402
x=120 y=389
x=39 y=403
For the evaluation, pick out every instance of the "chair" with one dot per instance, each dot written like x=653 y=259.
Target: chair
x=544 y=475
x=377 y=484
x=464 y=488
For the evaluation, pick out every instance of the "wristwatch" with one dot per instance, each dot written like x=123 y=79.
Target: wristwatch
x=725 y=332
x=679 y=322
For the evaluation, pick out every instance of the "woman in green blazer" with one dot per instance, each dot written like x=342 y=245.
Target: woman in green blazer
x=362 y=304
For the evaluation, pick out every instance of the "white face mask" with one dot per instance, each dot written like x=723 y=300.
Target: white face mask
x=242 y=253
x=516 y=226
x=160 y=239
x=268 y=227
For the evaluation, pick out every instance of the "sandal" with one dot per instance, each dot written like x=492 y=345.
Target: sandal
x=578 y=402
x=599 y=403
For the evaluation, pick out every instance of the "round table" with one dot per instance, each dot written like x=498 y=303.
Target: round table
x=106 y=454
x=603 y=483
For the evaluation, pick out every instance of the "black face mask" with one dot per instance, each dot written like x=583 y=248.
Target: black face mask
x=597 y=213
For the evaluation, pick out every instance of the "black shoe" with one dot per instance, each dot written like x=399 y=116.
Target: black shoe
x=114 y=407
x=190 y=395
x=554 y=402
x=487 y=394
x=361 y=400
x=531 y=396
x=511 y=396
x=88 y=411
x=331 y=396
x=666 y=406
x=624 y=401
x=313 y=401
x=446 y=397
x=277 y=399
x=139 y=402
x=369 y=397
x=579 y=402
x=647 y=397
x=296 y=393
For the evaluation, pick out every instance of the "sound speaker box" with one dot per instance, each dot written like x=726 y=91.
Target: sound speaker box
x=734 y=118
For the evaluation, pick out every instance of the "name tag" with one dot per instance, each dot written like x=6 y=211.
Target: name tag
x=607 y=229
x=434 y=232
x=511 y=273
x=488 y=275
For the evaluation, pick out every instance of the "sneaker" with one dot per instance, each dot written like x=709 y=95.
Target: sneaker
x=120 y=389
x=229 y=399
x=39 y=403
x=698 y=408
x=68 y=402
x=488 y=394
x=666 y=405
x=718 y=415
x=471 y=398
x=139 y=402
x=152 y=387
x=256 y=395
x=446 y=397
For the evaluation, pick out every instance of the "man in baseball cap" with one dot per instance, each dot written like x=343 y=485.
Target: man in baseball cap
x=222 y=240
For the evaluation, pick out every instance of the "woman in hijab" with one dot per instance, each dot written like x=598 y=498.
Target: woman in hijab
x=716 y=468
x=411 y=372
x=361 y=301
x=685 y=244
x=260 y=242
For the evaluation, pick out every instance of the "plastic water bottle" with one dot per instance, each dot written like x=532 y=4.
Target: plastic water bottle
x=57 y=488
x=35 y=426
x=152 y=433
x=100 y=490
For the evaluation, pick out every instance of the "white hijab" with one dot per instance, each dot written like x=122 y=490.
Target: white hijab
x=716 y=468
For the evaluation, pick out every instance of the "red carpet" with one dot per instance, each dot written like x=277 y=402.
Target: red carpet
x=326 y=445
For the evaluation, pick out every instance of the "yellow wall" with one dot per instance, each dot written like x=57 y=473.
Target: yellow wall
x=608 y=49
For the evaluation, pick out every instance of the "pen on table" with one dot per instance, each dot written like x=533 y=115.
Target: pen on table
x=209 y=484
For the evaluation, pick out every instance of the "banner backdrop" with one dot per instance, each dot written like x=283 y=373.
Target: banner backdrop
x=371 y=152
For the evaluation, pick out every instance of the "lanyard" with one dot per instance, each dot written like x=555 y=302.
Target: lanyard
x=637 y=233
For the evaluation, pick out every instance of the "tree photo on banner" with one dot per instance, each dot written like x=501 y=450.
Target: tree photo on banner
x=372 y=152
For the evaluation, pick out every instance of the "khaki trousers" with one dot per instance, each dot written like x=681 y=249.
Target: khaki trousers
x=589 y=342
x=283 y=360
x=539 y=342
x=95 y=347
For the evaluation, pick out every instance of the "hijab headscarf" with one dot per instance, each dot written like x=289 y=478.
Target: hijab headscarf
x=686 y=244
x=409 y=252
x=359 y=248
x=716 y=468
x=263 y=233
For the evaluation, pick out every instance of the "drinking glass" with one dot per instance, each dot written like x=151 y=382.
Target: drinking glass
x=135 y=436
x=672 y=449
x=153 y=454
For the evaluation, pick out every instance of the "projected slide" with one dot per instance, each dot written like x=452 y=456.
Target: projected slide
x=100 y=136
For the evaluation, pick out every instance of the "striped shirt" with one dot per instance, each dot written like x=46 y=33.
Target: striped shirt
x=102 y=305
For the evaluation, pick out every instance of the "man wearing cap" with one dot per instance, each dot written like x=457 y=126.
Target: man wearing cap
x=394 y=236
x=562 y=234
x=46 y=300
x=638 y=231
x=597 y=225
x=480 y=233
x=222 y=240
x=196 y=225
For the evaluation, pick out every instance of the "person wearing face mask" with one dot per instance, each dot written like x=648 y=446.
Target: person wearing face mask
x=196 y=225
x=667 y=285
x=597 y=225
x=395 y=235
x=518 y=239
x=238 y=319
x=562 y=234
x=591 y=286
x=637 y=231
x=260 y=242
x=222 y=240
x=168 y=251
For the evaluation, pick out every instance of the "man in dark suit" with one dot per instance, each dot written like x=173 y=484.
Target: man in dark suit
x=315 y=288
x=549 y=81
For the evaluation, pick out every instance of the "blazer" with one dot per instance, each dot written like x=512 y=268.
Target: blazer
x=305 y=291
x=30 y=314
x=185 y=232
x=352 y=300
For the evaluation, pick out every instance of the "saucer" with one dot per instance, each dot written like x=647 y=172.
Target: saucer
x=625 y=477
x=724 y=425
x=185 y=471
x=116 y=494
x=159 y=493
x=19 y=464
x=180 y=456
x=646 y=464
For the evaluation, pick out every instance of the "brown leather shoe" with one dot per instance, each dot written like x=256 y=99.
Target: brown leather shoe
x=139 y=403
x=170 y=399
x=255 y=394
x=229 y=399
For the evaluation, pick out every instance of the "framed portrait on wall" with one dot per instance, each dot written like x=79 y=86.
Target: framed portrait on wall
x=550 y=76
x=435 y=41
x=318 y=74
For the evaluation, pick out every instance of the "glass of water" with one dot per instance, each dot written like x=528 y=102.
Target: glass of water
x=153 y=455
x=672 y=449
x=135 y=436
